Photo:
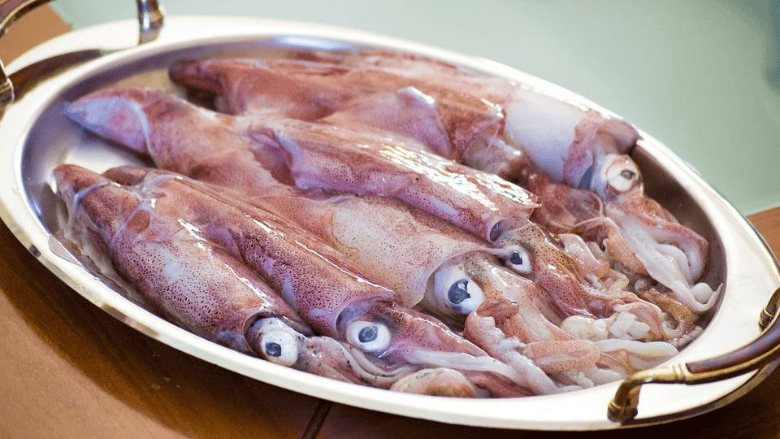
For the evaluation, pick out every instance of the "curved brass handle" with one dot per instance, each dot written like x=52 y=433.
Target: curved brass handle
x=150 y=20
x=752 y=356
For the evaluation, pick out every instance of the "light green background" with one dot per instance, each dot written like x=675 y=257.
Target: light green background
x=701 y=76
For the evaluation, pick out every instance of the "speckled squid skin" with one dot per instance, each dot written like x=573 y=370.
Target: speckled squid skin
x=195 y=284
x=228 y=160
x=317 y=280
x=546 y=343
x=192 y=281
x=577 y=140
x=413 y=244
x=305 y=153
x=365 y=161
x=451 y=111
x=368 y=89
x=321 y=83
x=560 y=209
x=313 y=278
x=563 y=138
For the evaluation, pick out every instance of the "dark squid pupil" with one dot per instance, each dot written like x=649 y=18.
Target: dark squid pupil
x=517 y=258
x=495 y=231
x=458 y=292
x=273 y=349
x=367 y=334
x=627 y=174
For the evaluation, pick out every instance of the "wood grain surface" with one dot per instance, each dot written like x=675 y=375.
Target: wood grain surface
x=69 y=370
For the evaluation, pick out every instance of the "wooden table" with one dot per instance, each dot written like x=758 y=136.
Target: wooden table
x=69 y=370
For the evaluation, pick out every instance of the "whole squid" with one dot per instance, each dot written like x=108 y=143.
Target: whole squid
x=585 y=289
x=568 y=142
x=562 y=208
x=226 y=158
x=447 y=272
x=323 y=289
x=353 y=224
x=367 y=161
x=196 y=284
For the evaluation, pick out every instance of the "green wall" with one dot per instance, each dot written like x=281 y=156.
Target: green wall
x=701 y=76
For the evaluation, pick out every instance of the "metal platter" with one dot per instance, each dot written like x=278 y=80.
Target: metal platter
x=35 y=137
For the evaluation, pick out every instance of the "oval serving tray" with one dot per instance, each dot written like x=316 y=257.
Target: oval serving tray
x=35 y=137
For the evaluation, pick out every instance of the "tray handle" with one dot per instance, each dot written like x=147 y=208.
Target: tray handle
x=150 y=21
x=754 y=355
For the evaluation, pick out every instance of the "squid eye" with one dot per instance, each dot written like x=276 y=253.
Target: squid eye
x=272 y=349
x=519 y=260
x=622 y=175
x=368 y=336
x=279 y=347
x=455 y=292
x=458 y=292
x=275 y=341
x=464 y=297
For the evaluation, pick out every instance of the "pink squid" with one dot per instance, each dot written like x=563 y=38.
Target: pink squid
x=366 y=161
x=228 y=159
x=332 y=158
x=312 y=89
x=196 y=284
x=368 y=337
x=561 y=209
x=335 y=301
x=567 y=141
x=408 y=112
x=587 y=150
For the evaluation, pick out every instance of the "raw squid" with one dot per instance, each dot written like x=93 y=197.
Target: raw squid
x=310 y=90
x=380 y=341
x=570 y=143
x=377 y=162
x=170 y=149
x=353 y=225
x=215 y=148
x=196 y=284
x=333 y=300
x=192 y=141
x=448 y=273
x=319 y=155
x=566 y=142
x=562 y=209
x=426 y=90
x=411 y=113
x=589 y=151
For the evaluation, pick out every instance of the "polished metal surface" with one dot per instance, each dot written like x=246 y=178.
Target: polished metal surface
x=6 y=88
x=150 y=21
x=35 y=137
